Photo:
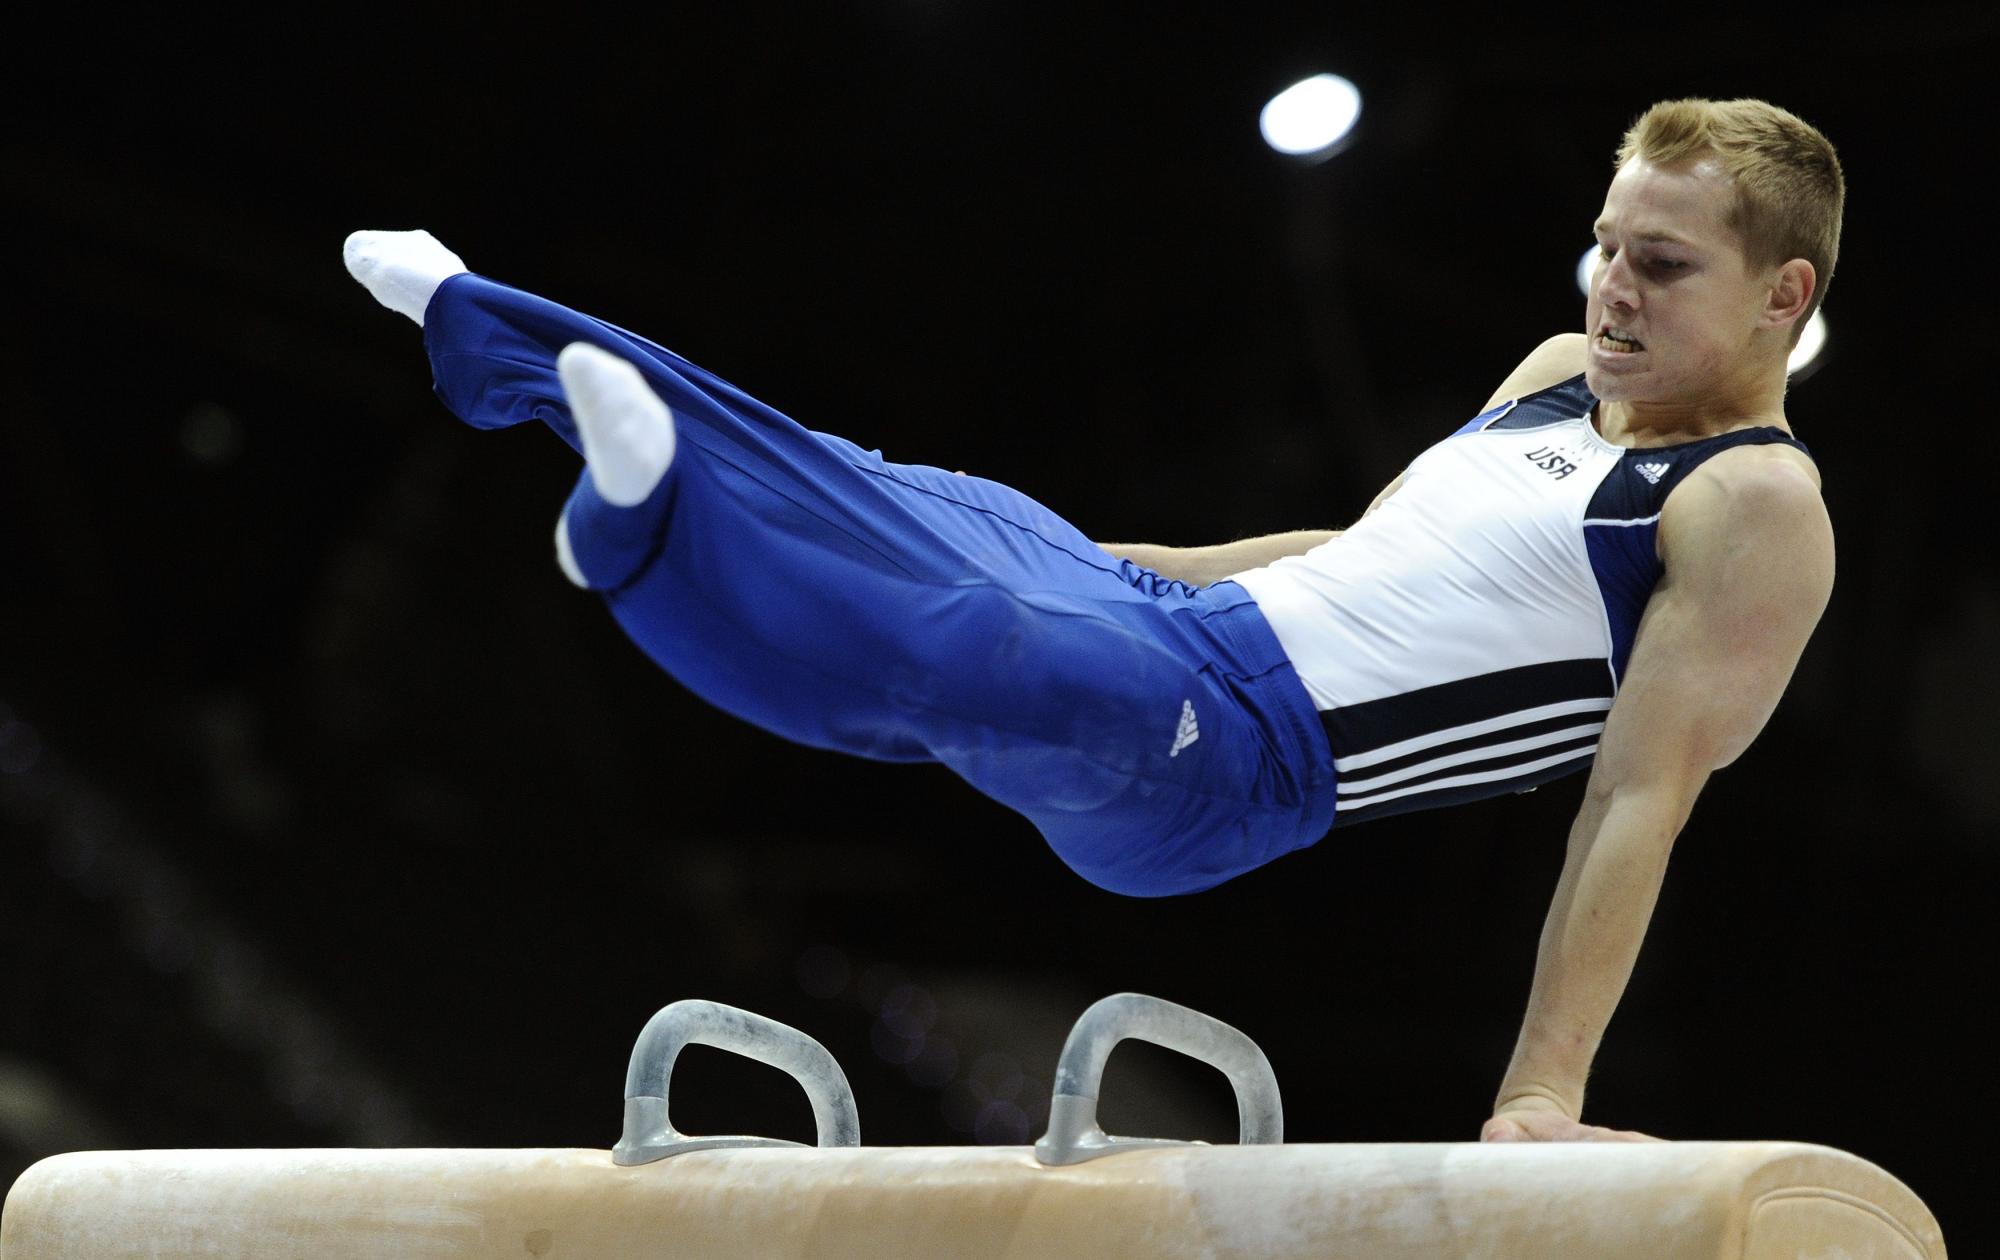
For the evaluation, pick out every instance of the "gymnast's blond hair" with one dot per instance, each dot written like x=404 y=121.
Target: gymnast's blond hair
x=1789 y=189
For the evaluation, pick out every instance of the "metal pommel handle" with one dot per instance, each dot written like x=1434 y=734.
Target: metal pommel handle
x=1073 y=1135
x=650 y=1135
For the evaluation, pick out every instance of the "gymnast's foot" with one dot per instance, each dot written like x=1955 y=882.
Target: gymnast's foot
x=627 y=432
x=402 y=269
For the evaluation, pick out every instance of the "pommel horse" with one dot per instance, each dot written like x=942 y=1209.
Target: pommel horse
x=1077 y=1192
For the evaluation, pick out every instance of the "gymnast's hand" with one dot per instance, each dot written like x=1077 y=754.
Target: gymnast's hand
x=1535 y=1120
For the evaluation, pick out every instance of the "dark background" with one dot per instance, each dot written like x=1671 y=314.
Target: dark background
x=331 y=815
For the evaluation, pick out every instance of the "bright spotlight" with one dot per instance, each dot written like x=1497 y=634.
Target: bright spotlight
x=1586 y=267
x=1311 y=116
x=1811 y=342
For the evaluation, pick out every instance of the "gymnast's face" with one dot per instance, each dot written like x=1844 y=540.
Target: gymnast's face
x=1671 y=277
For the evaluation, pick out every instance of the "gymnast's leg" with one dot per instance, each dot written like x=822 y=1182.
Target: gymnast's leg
x=883 y=610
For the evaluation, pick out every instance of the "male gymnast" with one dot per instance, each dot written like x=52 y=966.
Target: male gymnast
x=1614 y=566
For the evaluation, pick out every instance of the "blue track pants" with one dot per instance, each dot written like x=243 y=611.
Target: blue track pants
x=1155 y=733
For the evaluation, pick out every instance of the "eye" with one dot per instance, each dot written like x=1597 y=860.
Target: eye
x=1606 y=253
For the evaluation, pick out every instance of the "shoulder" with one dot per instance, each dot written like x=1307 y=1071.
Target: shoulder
x=1756 y=479
x=1551 y=363
x=1748 y=554
x=1749 y=501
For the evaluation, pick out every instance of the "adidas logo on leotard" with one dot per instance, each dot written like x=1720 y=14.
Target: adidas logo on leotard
x=1188 y=732
x=1651 y=472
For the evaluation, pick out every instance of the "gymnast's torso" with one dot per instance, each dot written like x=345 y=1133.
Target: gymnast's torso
x=1467 y=637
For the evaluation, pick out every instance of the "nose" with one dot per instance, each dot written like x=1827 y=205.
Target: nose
x=1614 y=281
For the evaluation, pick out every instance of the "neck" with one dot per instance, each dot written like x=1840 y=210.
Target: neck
x=1638 y=422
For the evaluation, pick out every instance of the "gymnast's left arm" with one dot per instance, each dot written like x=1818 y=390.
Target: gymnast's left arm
x=1748 y=556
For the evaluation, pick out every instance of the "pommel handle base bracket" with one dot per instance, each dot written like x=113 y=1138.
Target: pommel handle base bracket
x=650 y=1135
x=1073 y=1135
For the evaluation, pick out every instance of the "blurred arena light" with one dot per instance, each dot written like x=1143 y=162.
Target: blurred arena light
x=1586 y=267
x=40 y=1116
x=1805 y=355
x=1312 y=117
x=230 y=983
x=1804 y=359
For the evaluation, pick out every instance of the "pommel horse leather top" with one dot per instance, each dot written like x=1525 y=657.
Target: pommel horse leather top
x=1079 y=1192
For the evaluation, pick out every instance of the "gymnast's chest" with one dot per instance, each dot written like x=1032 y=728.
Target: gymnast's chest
x=1513 y=484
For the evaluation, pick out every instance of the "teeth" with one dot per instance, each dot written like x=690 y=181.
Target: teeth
x=1618 y=341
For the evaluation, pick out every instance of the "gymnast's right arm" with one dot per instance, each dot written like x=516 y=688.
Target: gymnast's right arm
x=1199 y=566
x=1552 y=362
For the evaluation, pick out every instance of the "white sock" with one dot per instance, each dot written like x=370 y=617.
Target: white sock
x=565 y=557
x=402 y=269
x=628 y=433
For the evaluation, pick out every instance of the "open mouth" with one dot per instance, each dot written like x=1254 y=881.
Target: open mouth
x=1618 y=343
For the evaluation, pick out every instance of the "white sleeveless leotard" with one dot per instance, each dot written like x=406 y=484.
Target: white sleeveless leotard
x=1467 y=637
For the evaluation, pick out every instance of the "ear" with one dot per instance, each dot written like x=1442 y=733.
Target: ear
x=1792 y=287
